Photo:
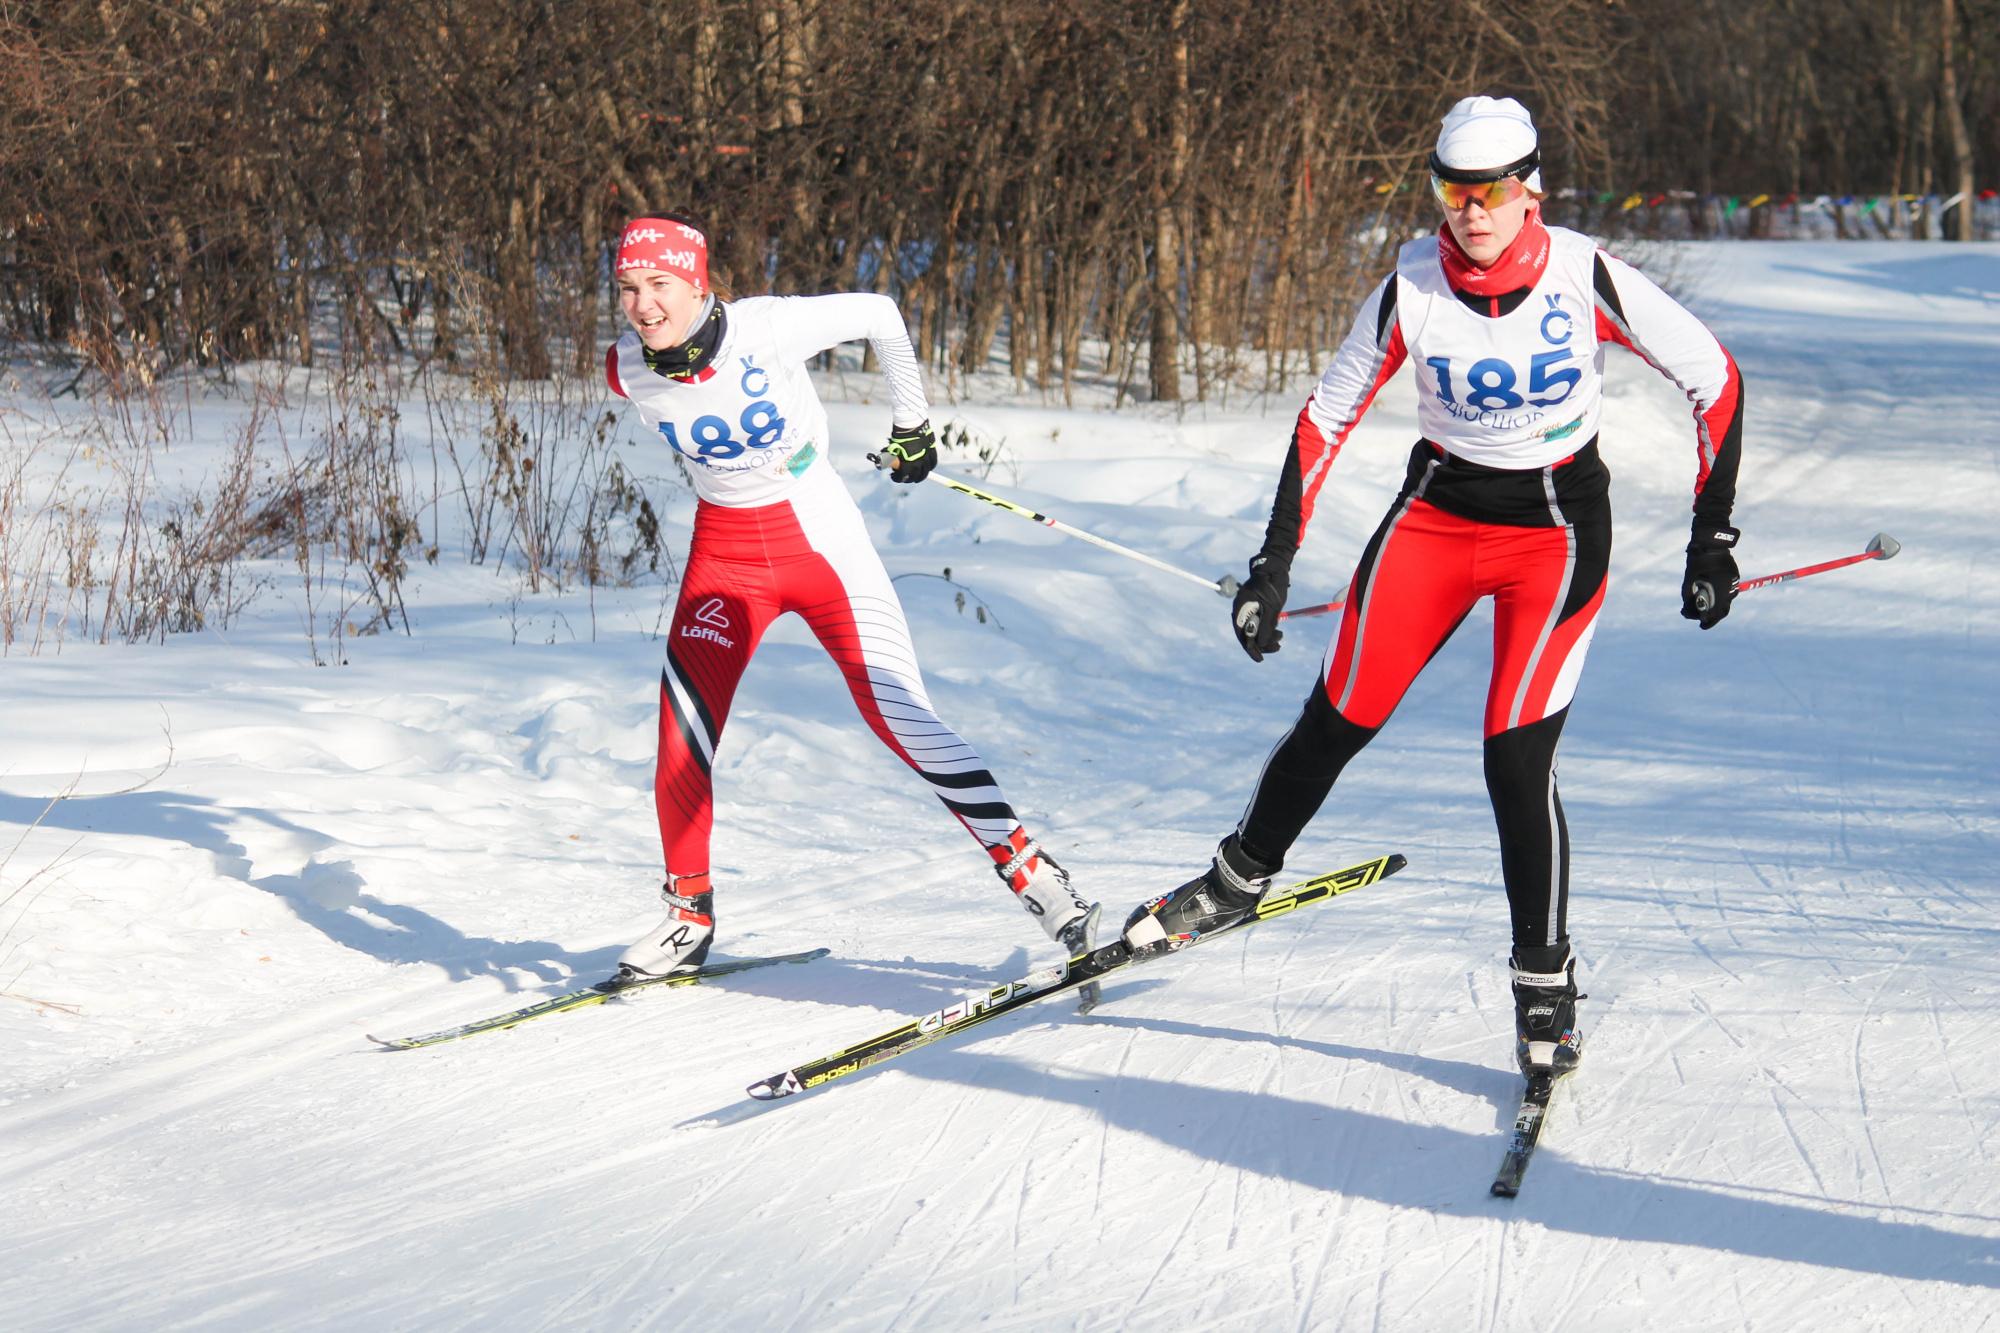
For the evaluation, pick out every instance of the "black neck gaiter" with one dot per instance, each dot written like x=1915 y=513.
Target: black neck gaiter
x=686 y=359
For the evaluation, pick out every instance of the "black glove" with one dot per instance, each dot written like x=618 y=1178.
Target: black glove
x=1709 y=585
x=1261 y=597
x=913 y=451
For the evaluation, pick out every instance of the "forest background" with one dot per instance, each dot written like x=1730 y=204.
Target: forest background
x=1148 y=190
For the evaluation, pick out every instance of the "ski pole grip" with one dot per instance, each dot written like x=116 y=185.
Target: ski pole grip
x=1704 y=595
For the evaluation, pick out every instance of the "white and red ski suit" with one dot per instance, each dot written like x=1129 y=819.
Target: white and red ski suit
x=1505 y=497
x=775 y=530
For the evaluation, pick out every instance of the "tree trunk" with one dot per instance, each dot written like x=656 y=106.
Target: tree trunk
x=525 y=349
x=1954 y=119
x=1172 y=168
x=590 y=266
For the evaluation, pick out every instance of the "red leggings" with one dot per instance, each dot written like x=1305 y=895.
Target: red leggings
x=1421 y=575
x=746 y=567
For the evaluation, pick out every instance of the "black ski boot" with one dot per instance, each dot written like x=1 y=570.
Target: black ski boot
x=1223 y=895
x=1546 y=1038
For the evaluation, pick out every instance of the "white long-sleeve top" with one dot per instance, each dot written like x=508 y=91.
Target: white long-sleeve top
x=1520 y=389
x=750 y=425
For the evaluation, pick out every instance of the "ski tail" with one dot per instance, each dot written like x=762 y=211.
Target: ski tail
x=1527 y=1133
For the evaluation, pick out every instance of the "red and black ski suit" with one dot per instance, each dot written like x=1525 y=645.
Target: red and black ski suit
x=1505 y=497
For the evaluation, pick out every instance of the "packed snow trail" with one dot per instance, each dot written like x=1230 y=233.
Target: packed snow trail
x=1786 y=902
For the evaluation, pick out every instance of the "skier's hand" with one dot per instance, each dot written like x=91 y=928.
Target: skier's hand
x=1254 y=615
x=1709 y=585
x=912 y=451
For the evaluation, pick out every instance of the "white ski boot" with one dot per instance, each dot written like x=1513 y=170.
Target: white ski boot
x=680 y=943
x=1044 y=889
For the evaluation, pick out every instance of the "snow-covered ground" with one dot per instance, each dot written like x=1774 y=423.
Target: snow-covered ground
x=1786 y=896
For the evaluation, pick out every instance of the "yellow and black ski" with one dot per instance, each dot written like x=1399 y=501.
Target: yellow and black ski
x=589 y=995
x=982 y=1006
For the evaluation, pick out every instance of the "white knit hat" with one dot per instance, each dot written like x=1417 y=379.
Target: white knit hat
x=1483 y=137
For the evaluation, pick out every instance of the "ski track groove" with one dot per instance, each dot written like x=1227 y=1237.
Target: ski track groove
x=1951 y=1072
x=1774 y=1085
x=1602 y=1247
x=640 y=1262
x=1187 y=1220
x=1302 y=1284
x=1104 y=1123
x=1337 y=1211
x=975 y=1219
x=1495 y=1278
x=806 y=1308
x=1689 y=933
x=1329 y=1232
x=1344 y=1201
x=1861 y=1083
x=921 y=1301
x=1211 y=1170
x=1440 y=1272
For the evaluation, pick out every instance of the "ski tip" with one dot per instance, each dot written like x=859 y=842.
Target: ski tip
x=774 y=1087
x=1505 y=1190
x=1396 y=862
x=392 y=1043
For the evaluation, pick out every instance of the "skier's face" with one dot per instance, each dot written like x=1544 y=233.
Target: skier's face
x=660 y=305
x=1484 y=231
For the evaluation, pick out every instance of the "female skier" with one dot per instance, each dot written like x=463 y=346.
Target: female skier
x=725 y=384
x=1505 y=497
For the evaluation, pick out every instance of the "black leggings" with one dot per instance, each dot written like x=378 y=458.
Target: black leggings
x=1520 y=780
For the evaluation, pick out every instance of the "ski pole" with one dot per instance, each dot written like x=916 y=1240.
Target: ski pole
x=1226 y=585
x=1880 y=547
x=1320 y=610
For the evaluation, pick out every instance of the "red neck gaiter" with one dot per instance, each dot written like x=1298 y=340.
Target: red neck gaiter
x=1518 y=266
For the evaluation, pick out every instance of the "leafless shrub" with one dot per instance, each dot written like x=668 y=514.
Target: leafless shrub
x=91 y=549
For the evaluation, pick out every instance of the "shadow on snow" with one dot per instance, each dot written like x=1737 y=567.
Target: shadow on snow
x=327 y=896
x=1358 y=1154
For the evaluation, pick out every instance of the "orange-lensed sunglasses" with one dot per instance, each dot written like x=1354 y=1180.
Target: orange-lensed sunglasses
x=1487 y=194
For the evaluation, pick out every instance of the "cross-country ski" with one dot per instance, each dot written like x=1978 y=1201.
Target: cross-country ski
x=1084 y=970
x=610 y=989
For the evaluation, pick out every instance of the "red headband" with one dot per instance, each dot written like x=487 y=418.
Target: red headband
x=671 y=247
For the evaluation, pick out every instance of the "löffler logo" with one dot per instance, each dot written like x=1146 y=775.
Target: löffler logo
x=713 y=620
